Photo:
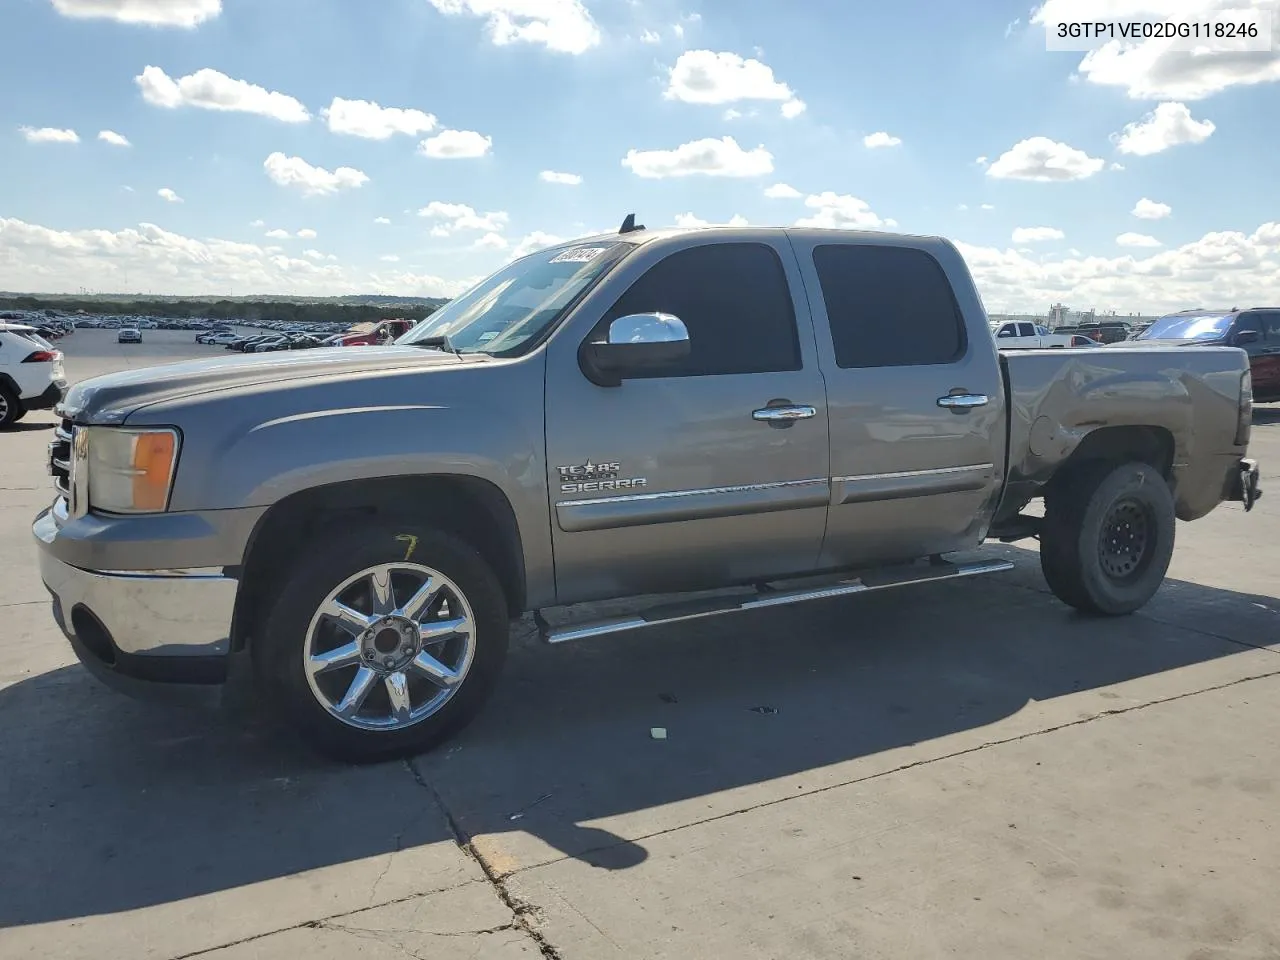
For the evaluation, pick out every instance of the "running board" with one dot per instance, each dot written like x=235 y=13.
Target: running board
x=715 y=606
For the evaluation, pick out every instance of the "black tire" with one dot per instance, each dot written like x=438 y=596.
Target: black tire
x=11 y=410
x=322 y=566
x=1107 y=537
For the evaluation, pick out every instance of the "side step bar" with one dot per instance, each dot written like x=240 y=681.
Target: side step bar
x=715 y=606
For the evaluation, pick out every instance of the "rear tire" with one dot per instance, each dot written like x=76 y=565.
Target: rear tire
x=1108 y=537
x=11 y=410
x=293 y=631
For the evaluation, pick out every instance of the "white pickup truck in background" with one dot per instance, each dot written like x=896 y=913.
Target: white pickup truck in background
x=1023 y=334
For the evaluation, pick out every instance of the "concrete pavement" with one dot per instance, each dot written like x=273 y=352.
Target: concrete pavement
x=964 y=769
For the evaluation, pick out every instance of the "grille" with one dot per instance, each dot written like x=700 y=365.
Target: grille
x=60 y=458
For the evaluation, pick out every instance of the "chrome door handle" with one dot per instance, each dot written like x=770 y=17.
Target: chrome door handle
x=784 y=414
x=964 y=401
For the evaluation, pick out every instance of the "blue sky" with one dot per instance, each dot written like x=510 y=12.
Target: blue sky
x=1081 y=154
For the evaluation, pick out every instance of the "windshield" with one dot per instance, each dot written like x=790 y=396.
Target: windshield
x=1188 y=326
x=514 y=306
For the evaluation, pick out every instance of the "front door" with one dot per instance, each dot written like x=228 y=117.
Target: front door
x=914 y=469
x=676 y=482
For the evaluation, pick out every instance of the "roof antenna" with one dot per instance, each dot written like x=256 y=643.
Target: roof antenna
x=629 y=224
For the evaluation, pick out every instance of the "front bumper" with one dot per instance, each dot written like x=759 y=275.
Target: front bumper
x=138 y=629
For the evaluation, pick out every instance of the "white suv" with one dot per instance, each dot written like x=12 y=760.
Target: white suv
x=31 y=375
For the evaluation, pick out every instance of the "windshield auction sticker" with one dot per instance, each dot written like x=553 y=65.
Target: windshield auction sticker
x=578 y=255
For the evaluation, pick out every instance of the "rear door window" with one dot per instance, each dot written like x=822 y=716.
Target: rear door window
x=1026 y=329
x=888 y=306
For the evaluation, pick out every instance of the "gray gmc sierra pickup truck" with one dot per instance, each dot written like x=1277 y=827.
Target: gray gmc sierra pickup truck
x=762 y=416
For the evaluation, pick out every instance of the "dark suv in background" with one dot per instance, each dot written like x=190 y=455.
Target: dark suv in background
x=1255 y=330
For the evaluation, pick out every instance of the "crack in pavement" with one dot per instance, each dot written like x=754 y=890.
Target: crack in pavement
x=499 y=879
x=525 y=914
x=205 y=951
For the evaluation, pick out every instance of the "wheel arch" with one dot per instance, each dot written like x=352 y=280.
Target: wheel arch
x=469 y=507
x=1152 y=445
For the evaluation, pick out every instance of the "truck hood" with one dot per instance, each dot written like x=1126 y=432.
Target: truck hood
x=111 y=398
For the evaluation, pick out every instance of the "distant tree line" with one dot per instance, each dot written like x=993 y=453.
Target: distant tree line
x=287 y=311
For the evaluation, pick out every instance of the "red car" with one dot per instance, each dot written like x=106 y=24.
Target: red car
x=373 y=334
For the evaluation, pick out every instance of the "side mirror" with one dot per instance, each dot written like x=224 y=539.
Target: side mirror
x=1246 y=336
x=636 y=343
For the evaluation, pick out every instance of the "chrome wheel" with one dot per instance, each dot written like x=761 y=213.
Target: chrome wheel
x=389 y=646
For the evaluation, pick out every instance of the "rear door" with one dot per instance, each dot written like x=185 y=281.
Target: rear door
x=915 y=399
x=1027 y=336
x=688 y=479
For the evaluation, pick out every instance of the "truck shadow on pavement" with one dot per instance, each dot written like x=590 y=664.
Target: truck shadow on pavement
x=112 y=805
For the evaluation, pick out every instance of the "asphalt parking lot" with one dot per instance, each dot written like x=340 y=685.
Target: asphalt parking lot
x=965 y=770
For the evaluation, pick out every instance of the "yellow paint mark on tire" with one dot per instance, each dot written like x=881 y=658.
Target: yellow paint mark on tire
x=410 y=539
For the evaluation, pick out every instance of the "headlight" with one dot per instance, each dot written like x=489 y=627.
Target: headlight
x=131 y=470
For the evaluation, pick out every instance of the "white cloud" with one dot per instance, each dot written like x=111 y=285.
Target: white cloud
x=782 y=191
x=567 y=179
x=257 y=223
x=1115 y=166
x=1220 y=267
x=155 y=13
x=988 y=206
x=880 y=138
x=1146 y=209
x=704 y=76
x=455 y=145
x=1044 y=160
x=364 y=118
x=38 y=259
x=649 y=36
x=1036 y=234
x=452 y=217
x=306 y=234
x=49 y=135
x=688 y=220
x=211 y=90
x=313 y=254
x=534 y=241
x=381 y=221
x=278 y=234
x=710 y=157
x=1154 y=69
x=491 y=241
x=1168 y=125
x=561 y=25
x=167 y=195
x=312 y=181
x=1137 y=240
x=113 y=138
x=963 y=207
x=389 y=258
x=840 y=212
x=981 y=161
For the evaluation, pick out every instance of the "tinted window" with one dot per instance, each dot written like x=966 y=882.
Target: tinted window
x=1009 y=330
x=888 y=306
x=735 y=302
x=1271 y=324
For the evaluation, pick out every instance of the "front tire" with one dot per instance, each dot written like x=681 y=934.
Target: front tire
x=383 y=642
x=1107 y=537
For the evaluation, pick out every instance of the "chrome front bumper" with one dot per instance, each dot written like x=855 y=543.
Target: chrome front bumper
x=157 y=624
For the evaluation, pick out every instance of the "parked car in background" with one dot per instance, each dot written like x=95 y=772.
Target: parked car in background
x=31 y=374
x=1080 y=340
x=1108 y=331
x=217 y=338
x=1022 y=335
x=371 y=334
x=1256 y=331
x=129 y=335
